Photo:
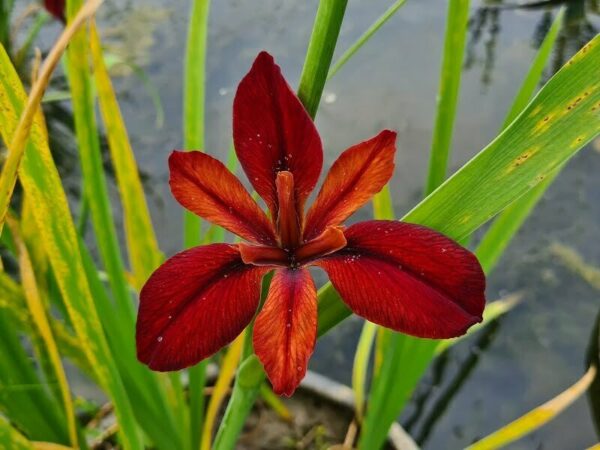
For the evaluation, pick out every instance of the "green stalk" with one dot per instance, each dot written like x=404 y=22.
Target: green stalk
x=92 y=167
x=454 y=49
x=194 y=98
x=246 y=388
x=324 y=36
x=193 y=138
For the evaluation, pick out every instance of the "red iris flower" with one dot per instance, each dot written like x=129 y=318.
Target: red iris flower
x=401 y=276
x=56 y=8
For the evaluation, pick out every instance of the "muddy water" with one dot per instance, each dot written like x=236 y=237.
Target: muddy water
x=538 y=349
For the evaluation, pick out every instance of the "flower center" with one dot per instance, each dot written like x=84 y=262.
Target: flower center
x=288 y=216
x=330 y=241
x=292 y=251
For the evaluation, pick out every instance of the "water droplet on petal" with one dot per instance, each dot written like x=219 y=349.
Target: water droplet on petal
x=159 y=339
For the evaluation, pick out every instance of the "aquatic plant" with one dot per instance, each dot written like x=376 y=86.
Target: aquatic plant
x=251 y=307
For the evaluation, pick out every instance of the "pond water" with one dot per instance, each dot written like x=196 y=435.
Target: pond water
x=538 y=349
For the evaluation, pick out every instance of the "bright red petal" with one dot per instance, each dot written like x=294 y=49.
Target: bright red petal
x=358 y=174
x=203 y=185
x=408 y=278
x=273 y=132
x=285 y=330
x=194 y=304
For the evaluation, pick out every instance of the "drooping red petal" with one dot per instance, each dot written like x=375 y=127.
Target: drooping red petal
x=197 y=302
x=203 y=185
x=408 y=278
x=358 y=174
x=273 y=132
x=285 y=330
x=56 y=8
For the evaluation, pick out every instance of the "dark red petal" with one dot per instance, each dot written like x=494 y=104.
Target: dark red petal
x=408 y=278
x=285 y=330
x=197 y=302
x=56 y=8
x=358 y=174
x=203 y=185
x=273 y=132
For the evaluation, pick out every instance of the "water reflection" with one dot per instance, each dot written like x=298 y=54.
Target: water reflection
x=485 y=30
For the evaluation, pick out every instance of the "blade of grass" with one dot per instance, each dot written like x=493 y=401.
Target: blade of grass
x=226 y=374
x=245 y=392
x=17 y=146
x=24 y=397
x=320 y=50
x=194 y=99
x=154 y=390
x=507 y=224
x=144 y=255
x=447 y=100
x=537 y=417
x=193 y=138
x=41 y=183
x=40 y=320
x=562 y=118
x=536 y=70
x=274 y=402
x=360 y=367
x=383 y=209
x=82 y=96
x=10 y=438
x=362 y=40
x=152 y=409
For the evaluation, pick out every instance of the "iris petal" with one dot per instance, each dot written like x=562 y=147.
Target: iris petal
x=203 y=185
x=285 y=330
x=358 y=174
x=408 y=278
x=272 y=132
x=197 y=302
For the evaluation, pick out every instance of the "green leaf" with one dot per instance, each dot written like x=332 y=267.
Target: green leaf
x=39 y=317
x=193 y=138
x=536 y=70
x=563 y=117
x=41 y=183
x=537 y=417
x=507 y=224
x=144 y=255
x=447 y=100
x=361 y=365
x=11 y=438
x=194 y=100
x=245 y=392
x=324 y=36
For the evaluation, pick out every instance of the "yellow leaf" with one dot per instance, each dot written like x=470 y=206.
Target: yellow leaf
x=537 y=417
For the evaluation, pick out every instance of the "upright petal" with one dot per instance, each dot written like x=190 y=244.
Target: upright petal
x=203 y=185
x=273 y=132
x=197 y=302
x=358 y=174
x=285 y=330
x=408 y=278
